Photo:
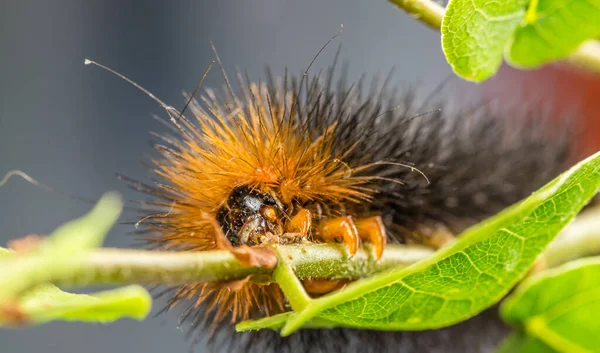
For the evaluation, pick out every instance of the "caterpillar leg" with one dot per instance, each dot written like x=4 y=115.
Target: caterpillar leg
x=343 y=227
x=317 y=286
x=372 y=230
x=300 y=224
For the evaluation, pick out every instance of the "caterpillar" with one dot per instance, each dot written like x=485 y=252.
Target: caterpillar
x=313 y=158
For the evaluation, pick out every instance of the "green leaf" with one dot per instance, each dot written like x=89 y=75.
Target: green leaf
x=26 y=299
x=552 y=30
x=48 y=303
x=560 y=307
x=475 y=33
x=462 y=279
x=61 y=251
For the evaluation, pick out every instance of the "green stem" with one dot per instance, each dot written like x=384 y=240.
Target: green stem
x=531 y=14
x=587 y=56
x=428 y=12
x=123 y=266
x=289 y=283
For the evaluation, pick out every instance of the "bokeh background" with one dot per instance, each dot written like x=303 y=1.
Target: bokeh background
x=74 y=127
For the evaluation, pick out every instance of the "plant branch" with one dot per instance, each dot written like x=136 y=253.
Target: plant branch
x=123 y=266
x=108 y=266
x=430 y=13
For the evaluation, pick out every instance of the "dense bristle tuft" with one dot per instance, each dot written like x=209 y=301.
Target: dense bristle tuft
x=334 y=148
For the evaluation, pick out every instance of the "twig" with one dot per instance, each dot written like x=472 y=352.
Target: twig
x=428 y=12
x=122 y=266
x=290 y=284
x=108 y=266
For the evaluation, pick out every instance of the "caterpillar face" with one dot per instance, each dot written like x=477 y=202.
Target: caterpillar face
x=251 y=217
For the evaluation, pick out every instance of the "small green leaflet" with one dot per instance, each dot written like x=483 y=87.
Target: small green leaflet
x=61 y=250
x=25 y=293
x=475 y=33
x=460 y=280
x=552 y=30
x=559 y=307
x=48 y=303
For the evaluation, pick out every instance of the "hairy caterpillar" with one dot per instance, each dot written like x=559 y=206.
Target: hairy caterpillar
x=313 y=158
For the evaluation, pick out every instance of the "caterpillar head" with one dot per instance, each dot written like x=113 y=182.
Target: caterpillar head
x=251 y=216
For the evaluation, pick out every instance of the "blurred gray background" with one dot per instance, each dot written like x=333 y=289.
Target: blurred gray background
x=73 y=126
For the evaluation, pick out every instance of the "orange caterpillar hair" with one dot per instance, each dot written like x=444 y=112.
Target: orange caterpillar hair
x=256 y=141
